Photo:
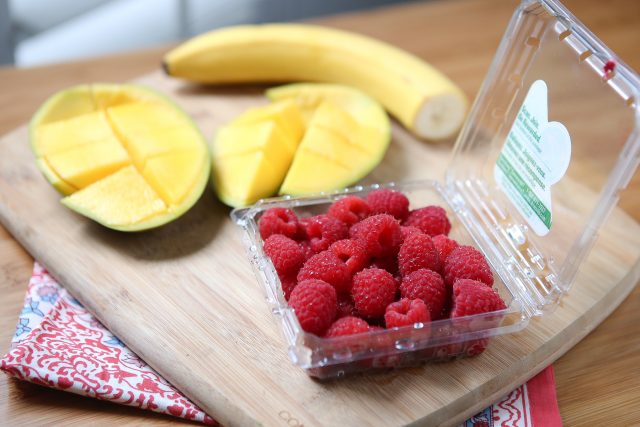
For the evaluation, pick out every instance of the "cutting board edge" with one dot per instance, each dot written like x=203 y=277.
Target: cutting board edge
x=627 y=284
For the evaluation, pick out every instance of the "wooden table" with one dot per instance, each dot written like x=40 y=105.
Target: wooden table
x=597 y=381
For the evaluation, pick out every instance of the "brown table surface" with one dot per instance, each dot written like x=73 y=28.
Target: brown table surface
x=598 y=381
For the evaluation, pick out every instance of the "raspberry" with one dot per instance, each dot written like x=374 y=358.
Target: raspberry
x=373 y=290
x=288 y=283
x=473 y=297
x=349 y=325
x=385 y=201
x=352 y=253
x=323 y=230
x=406 y=312
x=428 y=286
x=466 y=262
x=444 y=245
x=326 y=266
x=278 y=221
x=350 y=210
x=346 y=306
x=379 y=234
x=287 y=256
x=432 y=220
x=406 y=231
x=315 y=304
x=418 y=251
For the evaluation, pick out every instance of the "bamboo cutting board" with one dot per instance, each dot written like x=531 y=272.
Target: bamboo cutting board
x=183 y=297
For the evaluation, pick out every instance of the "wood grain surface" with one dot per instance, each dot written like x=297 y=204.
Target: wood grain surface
x=400 y=26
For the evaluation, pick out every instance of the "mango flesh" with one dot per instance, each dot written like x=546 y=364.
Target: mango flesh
x=173 y=174
x=124 y=197
x=124 y=155
x=157 y=135
x=64 y=134
x=250 y=160
x=347 y=135
x=87 y=163
x=329 y=150
x=309 y=96
x=77 y=100
x=313 y=138
x=286 y=115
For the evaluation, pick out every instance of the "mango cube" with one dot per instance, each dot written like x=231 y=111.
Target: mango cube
x=250 y=161
x=173 y=174
x=157 y=142
x=327 y=153
x=285 y=114
x=141 y=118
x=62 y=135
x=124 y=197
x=87 y=163
x=261 y=179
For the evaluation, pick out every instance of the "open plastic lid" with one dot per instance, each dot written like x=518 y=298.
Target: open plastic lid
x=551 y=139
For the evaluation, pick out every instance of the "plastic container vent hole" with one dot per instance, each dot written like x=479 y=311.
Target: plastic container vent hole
x=533 y=41
x=584 y=55
x=563 y=35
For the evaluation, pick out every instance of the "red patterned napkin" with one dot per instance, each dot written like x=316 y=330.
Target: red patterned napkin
x=59 y=344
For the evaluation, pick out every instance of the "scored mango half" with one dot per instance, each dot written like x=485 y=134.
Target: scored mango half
x=312 y=138
x=123 y=155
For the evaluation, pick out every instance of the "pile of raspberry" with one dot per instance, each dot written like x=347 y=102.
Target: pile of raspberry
x=372 y=263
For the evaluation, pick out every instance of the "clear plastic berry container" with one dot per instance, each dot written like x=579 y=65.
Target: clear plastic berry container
x=405 y=346
x=513 y=189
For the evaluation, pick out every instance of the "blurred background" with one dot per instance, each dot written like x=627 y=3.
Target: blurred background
x=39 y=32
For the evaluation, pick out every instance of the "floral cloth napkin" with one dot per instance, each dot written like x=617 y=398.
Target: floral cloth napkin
x=59 y=344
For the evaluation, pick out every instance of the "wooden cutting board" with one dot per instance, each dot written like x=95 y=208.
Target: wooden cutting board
x=184 y=298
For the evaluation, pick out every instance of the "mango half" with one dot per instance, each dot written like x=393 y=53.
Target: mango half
x=123 y=155
x=312 y=138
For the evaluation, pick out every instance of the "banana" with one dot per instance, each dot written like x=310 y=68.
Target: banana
x=423 y=99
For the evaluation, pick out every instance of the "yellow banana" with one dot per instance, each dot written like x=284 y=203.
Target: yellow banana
x=419 y=96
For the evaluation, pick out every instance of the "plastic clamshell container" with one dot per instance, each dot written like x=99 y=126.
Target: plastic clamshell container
x=535 y=220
